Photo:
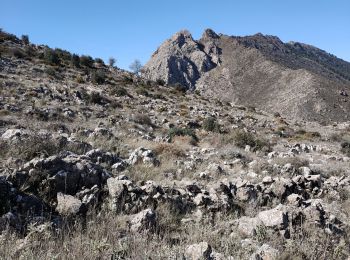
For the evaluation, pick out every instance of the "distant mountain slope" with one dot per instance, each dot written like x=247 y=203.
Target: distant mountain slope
x=297 y=80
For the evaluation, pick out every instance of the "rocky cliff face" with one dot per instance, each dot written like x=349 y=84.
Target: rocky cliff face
x=297 y=80
x=181 y=60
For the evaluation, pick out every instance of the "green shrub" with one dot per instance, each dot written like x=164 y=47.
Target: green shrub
x=75 y=60
x=180 y=88
x=93 y=98
x=142 y=119
x=86 y=61
x=99 y=61
x=160 y=82
x=63 y=55
x=119 y=91
x=345 y=148
x=96 y=98
x=210 y=124
x=182 y=132
x=111 y=61
x=18 y=53
x=25 y=39
x=142 y=91
x=242 y=138
x=98 y=77
x=50 y=71
x=51 y=57
x=29 y=51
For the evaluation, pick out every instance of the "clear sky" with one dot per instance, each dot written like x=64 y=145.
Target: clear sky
x=130 y=29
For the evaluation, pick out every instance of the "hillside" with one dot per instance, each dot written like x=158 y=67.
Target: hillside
x=100 y=163
x=296 y=80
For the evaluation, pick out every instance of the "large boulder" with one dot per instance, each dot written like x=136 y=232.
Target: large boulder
x=145 y=220
x=68 y=205
x=276 y=218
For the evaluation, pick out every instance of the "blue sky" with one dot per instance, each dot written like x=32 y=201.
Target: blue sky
x=133 y=29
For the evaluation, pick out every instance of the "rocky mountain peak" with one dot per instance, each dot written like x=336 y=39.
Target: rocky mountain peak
x=180 y=59
x=181 y=37
x=209 y=34
x=297 y=80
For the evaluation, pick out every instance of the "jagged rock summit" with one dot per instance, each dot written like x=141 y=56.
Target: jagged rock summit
x=294 y=79
x=180 y=59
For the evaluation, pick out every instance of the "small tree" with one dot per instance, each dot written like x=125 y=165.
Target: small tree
x=51 y=57
x=75 y=60
x=86 y=61
x=25 y=39
x=136 y=66
x=111 y=61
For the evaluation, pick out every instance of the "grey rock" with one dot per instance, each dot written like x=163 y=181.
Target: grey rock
x=200 y=251
x=145 y=220
x=274 y=218
x=68 y=205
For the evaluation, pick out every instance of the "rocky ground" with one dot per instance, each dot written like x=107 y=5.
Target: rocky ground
x=98 y=163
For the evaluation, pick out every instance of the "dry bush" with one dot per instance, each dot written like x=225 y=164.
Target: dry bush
x=142 y=119
x=296 y=161
x=241 y=138
x=169 y=150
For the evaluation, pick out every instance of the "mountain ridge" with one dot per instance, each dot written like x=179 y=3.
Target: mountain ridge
x=258 y=66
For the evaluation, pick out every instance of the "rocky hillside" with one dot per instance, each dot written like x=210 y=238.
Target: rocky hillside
x=296 y=80
x=98 y=163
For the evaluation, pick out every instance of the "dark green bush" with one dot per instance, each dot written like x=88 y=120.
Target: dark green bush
x=142 y=91
x=142 y=119
x=242 y=138
x=345 y=148
x=182 y=132
x=63 y=55
x=94 y=98
x=75 y=60
x=86 y=61
x=160 y=82
x=180 y=88
x=98 y=77
x=51 y=57
x=50 y=71
x=18 y=53
x=119 y=91
x=25 y=39
x=99 y=61
x=210 y=124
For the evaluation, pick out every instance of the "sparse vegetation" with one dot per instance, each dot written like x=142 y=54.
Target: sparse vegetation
x=210 y=124
x=126 y=168
x=183 y=132
x=86 y=61
x=98 y=77
x=51 y=57
x=242 y=138
x=136 y=66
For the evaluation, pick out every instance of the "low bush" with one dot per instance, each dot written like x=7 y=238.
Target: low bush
x=142 y=119
x=242 y=138
x=75 y=60
x=98 y=77
x=345 y=148
x=86 y=61
x=51 y=57
x=210 y=124
x=18 y=53
x=142 y=91
x=182 y=132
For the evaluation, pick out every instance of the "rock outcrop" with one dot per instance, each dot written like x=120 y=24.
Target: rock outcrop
x=181 y=59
